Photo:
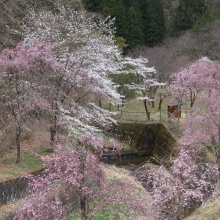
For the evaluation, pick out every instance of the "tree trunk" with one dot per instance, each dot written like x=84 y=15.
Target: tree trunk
x=83 y=207
x=110 y=106
x=53 y=128
x=52 y=135
x=146 y=109
x=153 y=104
x=192 y=98
x=18 y=135
x=153 y=95
x=160 y=104
x=219 y=137
x=83 y=201
x=100 y=103
x=18 y=142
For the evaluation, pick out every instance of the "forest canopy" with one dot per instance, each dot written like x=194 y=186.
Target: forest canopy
x=148 y=22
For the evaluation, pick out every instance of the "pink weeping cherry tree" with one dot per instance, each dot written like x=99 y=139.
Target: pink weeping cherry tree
x=194 y=172
x=188 y=80
x=18 y=89
x=73 y=184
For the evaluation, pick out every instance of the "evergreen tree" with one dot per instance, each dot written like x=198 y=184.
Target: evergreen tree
x=154 y=22
x=142 y=5
x=137 y=21
x=127 y=3
x=122 y=80
x=135 y=31
x=109 y=7
x=121 y=20
x=116 y=9
x=188 y=13
x=135 y=34
x=93 y=5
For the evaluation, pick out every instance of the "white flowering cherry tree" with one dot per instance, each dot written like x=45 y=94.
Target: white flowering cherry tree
x=146 y=80
x=84 y=55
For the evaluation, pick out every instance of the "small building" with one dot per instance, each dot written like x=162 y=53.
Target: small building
x=175 y=110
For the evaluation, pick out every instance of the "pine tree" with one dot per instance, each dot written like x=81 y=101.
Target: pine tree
x=154 y=22
x=116 y=9
x=135 y=34
x=93 y=5
x=121 y=20
x=188 y=13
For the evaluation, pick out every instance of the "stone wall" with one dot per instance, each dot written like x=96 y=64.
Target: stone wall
x=147 y=139
x=14 y=189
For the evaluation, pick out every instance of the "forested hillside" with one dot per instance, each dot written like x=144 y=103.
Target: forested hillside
x=137 y=22
x=149 y=22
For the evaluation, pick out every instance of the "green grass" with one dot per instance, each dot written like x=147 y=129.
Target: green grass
x=29 y=162
x=109 y=213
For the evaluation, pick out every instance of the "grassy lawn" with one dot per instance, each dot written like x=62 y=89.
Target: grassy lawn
x=29 y=163
x=109 y=213
x=35 y=144
x=134 y=110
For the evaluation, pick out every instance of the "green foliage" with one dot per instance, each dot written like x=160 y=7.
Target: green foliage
x=122 y=80
x=135 y=28
x=116 y=9
x=203 y=24
x=109 y=213
x=188 y=13
x=137 y=21
x=200 y=25
x=154 y=22
x=94 y=5
x=215 y=15
x=120 y=42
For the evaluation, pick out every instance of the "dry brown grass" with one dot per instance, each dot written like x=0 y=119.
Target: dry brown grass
x=124 y=176
x=209 y=211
